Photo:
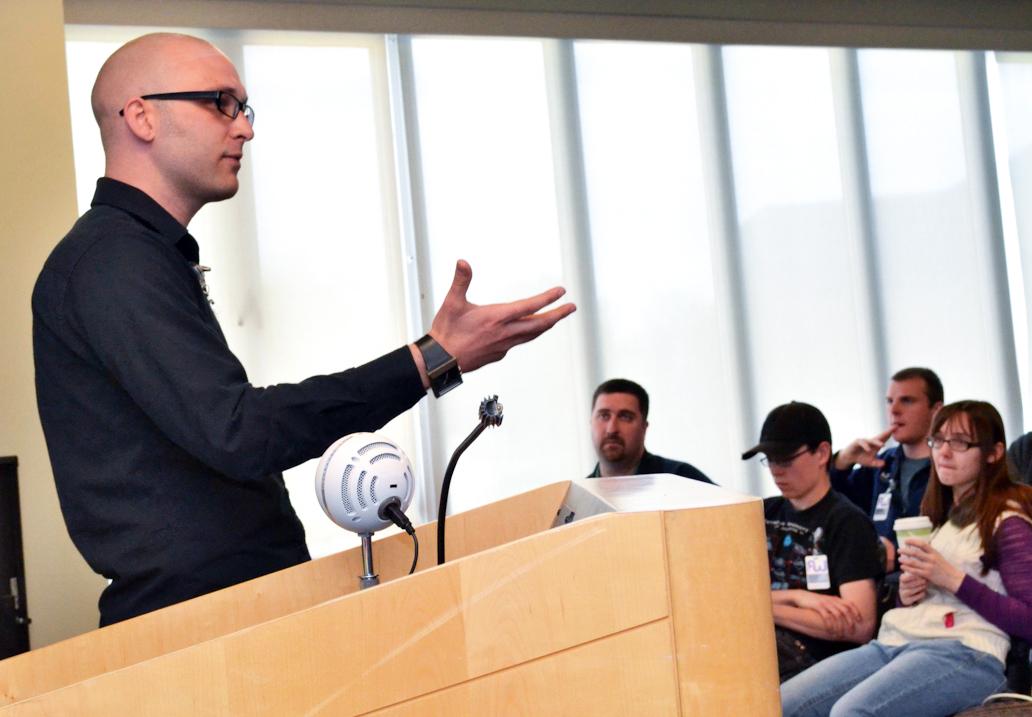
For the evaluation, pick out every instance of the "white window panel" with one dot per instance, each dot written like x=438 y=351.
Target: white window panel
x=653 y=269
x=933 y=246
x=1014 y=136
x=328 y=282
x=490 y=194
x=802 y=313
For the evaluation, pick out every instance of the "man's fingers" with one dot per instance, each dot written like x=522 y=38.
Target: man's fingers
x=884 y=436
x=460 y=282
x=525 y=308
x=529 y=327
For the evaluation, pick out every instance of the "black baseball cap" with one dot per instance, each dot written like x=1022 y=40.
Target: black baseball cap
x=789 y=427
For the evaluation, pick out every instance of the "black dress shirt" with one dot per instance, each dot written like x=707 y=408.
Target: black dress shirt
x=167 y=460
x=651 y=463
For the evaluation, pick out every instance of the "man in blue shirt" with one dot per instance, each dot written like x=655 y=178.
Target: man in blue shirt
x=889 y=483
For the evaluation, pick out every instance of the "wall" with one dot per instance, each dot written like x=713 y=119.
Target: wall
x=37 y=206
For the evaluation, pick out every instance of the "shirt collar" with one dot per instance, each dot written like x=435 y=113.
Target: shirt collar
x=128 y=198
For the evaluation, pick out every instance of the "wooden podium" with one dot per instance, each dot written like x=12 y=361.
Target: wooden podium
x=646 y=595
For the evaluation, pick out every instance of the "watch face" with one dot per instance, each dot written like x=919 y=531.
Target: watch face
x=446 y=381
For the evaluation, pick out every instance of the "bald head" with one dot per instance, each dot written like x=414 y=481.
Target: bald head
x=148 y=64
x=182 y=151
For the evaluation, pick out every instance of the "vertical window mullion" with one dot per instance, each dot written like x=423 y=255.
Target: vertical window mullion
x=715 y=143
x=420 y=309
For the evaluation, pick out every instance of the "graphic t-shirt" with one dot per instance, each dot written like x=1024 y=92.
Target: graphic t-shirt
x=833 y=527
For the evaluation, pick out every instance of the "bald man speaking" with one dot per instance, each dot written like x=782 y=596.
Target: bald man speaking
x=167 y=460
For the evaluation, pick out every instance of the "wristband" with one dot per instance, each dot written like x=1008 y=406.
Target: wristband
x=441 y=367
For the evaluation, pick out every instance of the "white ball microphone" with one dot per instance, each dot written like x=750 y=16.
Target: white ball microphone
x=364 y=483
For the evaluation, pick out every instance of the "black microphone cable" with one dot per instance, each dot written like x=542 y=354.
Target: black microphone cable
x=490 y=414
x=391 y=510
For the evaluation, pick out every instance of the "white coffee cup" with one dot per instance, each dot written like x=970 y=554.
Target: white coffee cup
x=920 y=526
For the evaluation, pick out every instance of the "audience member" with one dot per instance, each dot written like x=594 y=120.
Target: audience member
x=822 y=549
x=1020 y=453
x=619 y=419
x=888 y=483
x=963 y=591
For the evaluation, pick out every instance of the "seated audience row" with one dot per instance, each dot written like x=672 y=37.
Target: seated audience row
x=960 y=594
x=963 y=592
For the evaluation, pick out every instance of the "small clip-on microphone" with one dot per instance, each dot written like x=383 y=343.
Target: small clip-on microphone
x=490 y=414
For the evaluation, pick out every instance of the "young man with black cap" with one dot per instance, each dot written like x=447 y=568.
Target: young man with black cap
x=821 y=549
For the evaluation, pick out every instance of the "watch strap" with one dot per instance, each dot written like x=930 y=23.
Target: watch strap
x=441 y=367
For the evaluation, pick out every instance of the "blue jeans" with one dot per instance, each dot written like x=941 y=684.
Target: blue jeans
x=923 y=677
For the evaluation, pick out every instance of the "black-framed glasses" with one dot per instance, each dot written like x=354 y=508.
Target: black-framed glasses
x=226 y=103
x=957 y=445
x=782 y=462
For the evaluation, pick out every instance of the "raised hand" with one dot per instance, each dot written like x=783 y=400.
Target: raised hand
x=478 y=335
x=863 y=451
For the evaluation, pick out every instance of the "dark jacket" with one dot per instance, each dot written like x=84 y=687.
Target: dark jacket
x=863 y=485
x=658 y=464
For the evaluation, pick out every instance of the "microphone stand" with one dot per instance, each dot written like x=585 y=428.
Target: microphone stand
x=368 y=578
x=490 y=414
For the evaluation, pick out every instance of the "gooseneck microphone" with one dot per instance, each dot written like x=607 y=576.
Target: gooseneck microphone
x=364 y=483
x=490 y=414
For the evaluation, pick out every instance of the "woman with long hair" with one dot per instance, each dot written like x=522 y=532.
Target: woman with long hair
x=963 y=592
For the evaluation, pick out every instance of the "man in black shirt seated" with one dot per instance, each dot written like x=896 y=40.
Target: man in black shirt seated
x=619 y=419
x=821 y=549
x=1020 y=454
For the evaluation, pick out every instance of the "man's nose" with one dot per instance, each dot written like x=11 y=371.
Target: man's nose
x=243 y=128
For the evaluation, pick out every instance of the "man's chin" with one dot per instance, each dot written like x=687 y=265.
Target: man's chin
x=224 y=191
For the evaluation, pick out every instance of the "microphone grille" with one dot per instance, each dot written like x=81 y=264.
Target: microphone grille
x=356 y=475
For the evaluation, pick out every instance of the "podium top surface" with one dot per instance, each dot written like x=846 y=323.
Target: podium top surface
x=661 y=491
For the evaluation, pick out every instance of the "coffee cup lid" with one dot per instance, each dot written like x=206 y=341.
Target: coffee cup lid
x=915 y=523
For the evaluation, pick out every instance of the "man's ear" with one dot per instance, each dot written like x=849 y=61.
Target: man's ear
x=139 y=119
x=823 y=452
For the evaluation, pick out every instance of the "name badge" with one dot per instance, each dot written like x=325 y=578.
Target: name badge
x=818 y=577
x=881 y=508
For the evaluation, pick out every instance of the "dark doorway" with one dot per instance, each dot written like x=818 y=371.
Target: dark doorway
x=14 y=620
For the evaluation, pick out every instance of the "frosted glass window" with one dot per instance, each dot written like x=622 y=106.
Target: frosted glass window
x=795 y=251
x=490 y=193
x=653 y=270
x=328 y=281
x=933 y=248
x=84 y=59
x=1015 y=75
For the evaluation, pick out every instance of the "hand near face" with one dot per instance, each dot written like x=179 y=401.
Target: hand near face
x=912 y=588
x=918 y=558
x=478 y=335
x=863 y=451
x=841 y=617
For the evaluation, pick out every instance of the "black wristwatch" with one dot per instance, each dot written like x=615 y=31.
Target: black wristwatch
x=441 y=366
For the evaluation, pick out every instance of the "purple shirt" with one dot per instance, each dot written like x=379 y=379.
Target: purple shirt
x=1012 y=612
